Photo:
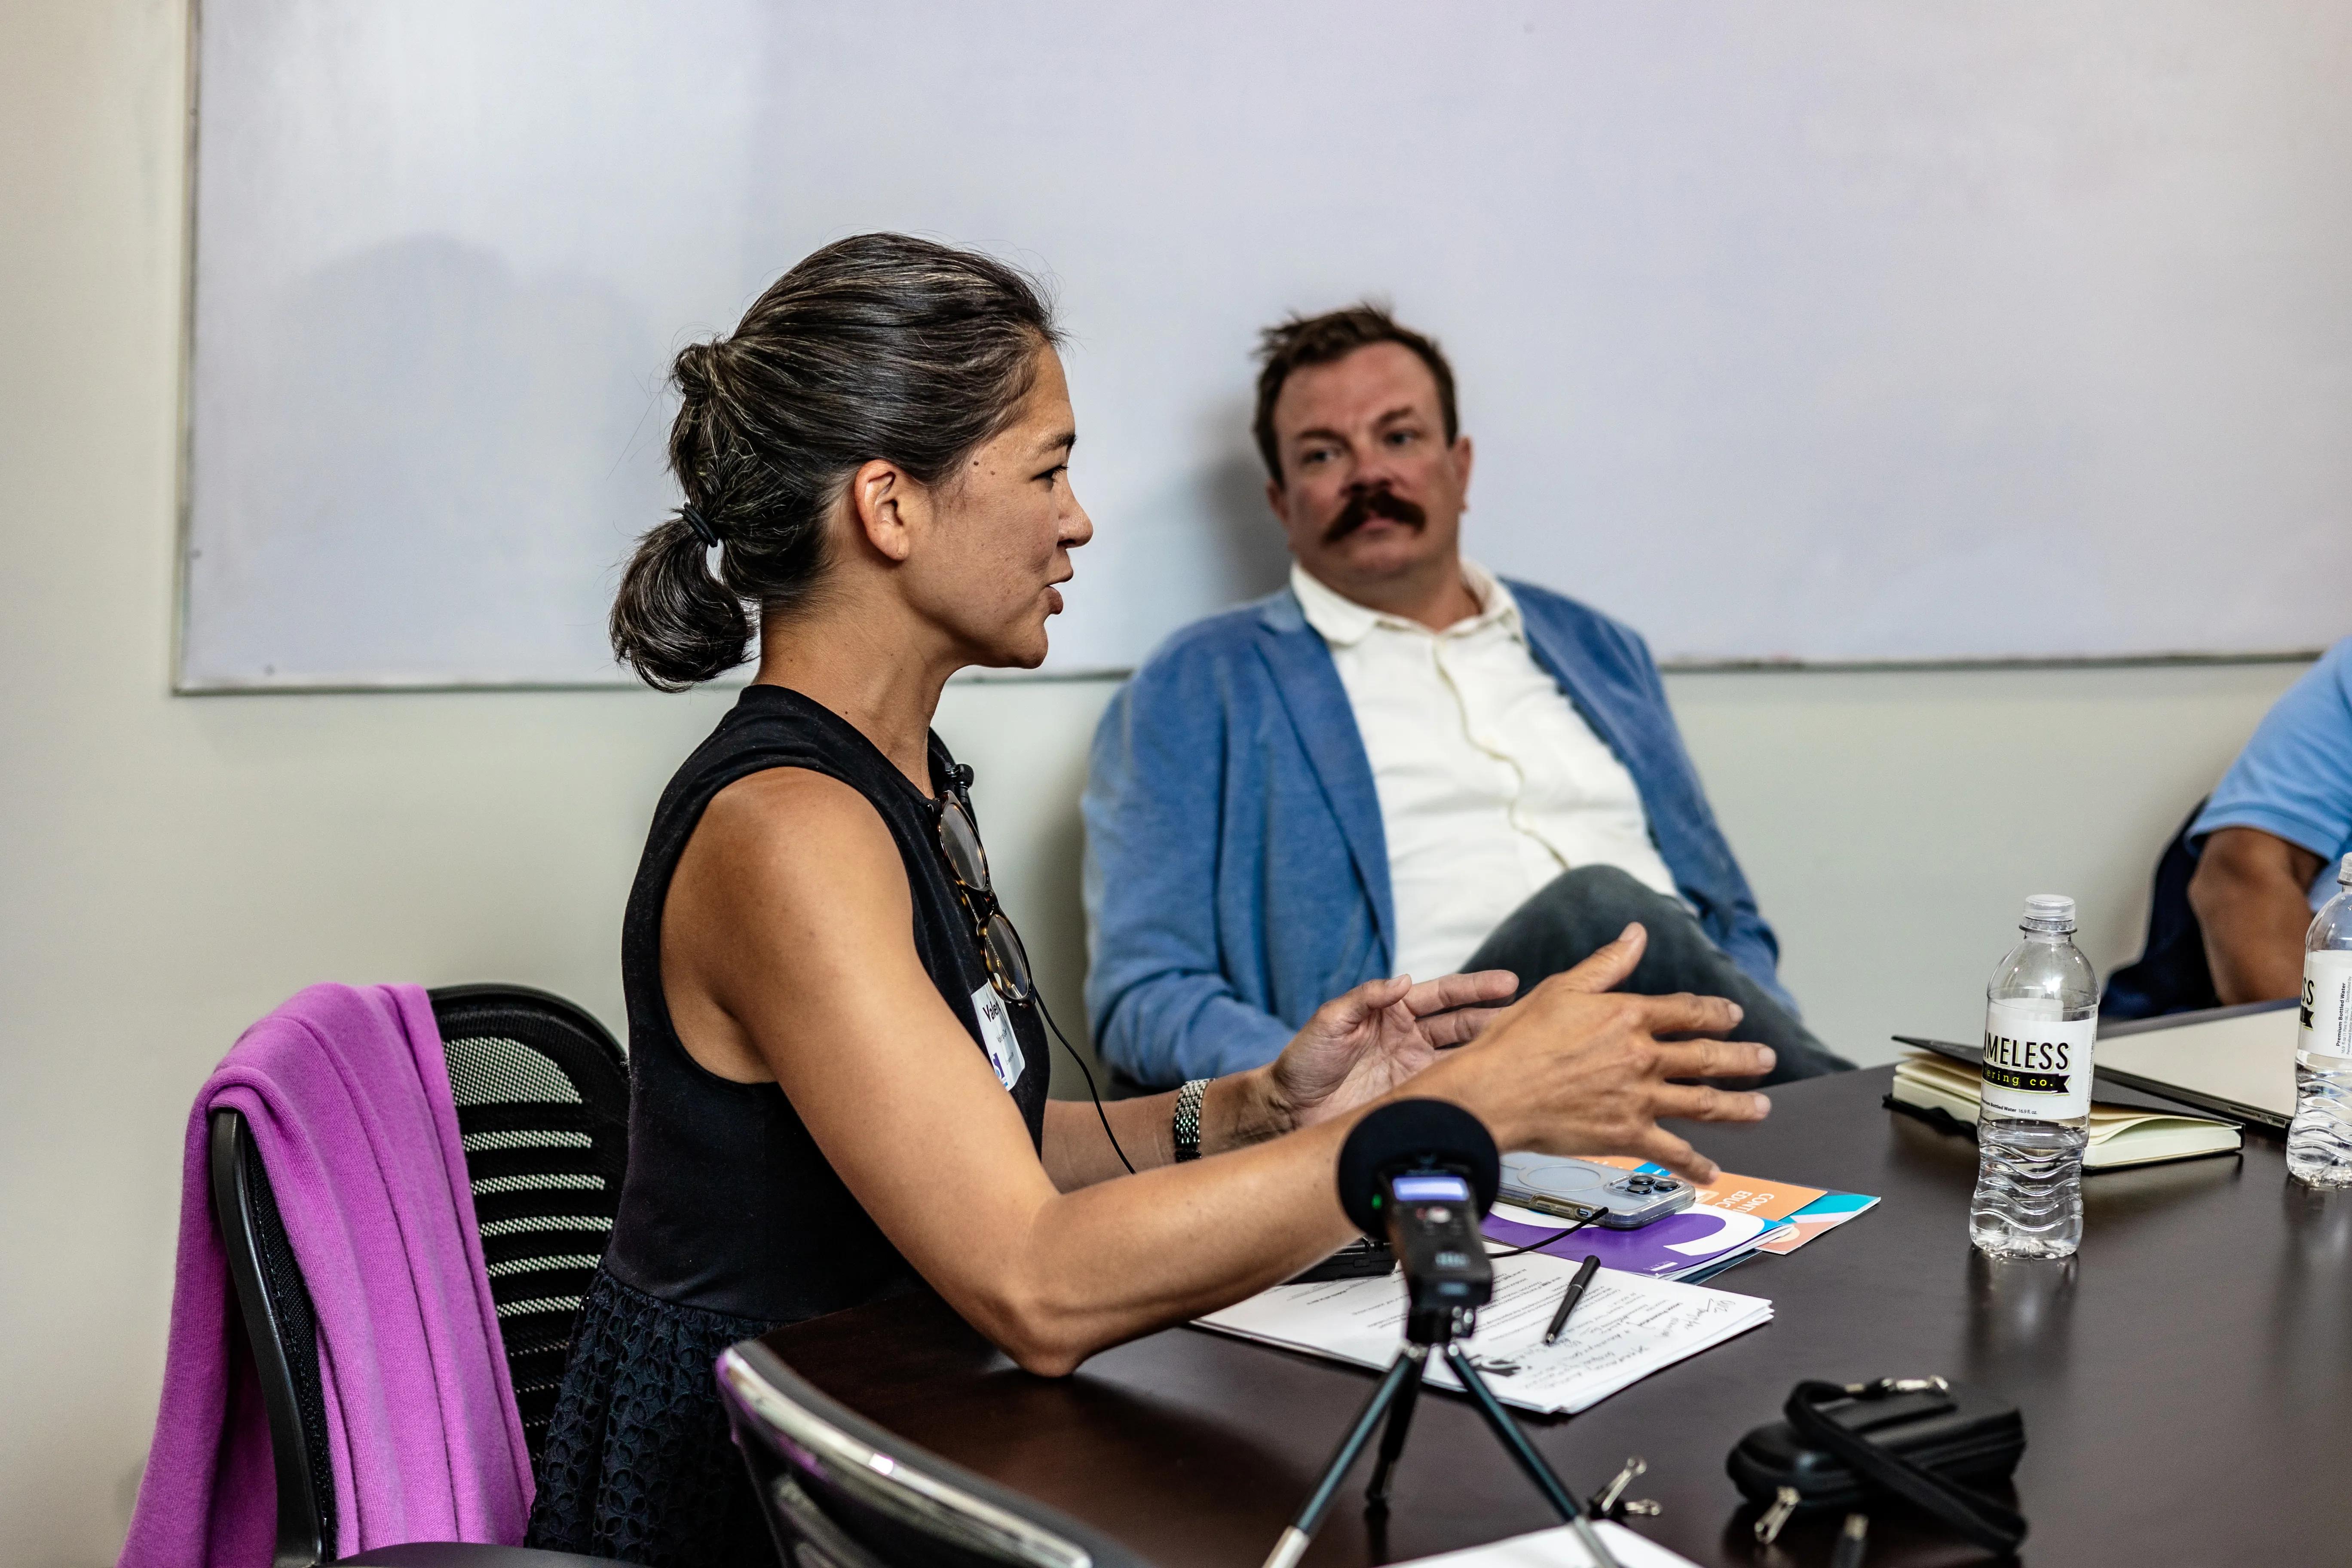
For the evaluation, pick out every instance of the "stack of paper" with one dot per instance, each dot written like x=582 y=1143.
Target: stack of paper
x=1627 y=1327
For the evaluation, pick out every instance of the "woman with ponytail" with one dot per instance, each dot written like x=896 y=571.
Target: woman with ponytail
x=837 y=1057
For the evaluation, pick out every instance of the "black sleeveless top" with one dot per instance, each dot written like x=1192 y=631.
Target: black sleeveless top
x=728 y=1205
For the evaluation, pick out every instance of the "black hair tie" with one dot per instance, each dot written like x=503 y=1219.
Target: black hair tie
x=701 y=526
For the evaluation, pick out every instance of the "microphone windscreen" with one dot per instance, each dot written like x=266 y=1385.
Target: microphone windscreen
x=1410 y=1134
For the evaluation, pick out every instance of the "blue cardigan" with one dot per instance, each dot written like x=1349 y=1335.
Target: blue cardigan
x=1236 y=874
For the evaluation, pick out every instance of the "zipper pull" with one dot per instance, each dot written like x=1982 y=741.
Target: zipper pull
x=1612 y=1503
x=1784 y=1504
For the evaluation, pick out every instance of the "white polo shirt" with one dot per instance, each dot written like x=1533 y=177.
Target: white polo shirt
x=1490 y=781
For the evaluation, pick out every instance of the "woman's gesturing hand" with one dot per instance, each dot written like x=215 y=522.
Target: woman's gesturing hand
x=1358 y=1046
x=1577 y=1069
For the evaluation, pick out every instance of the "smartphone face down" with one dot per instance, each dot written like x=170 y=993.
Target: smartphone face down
x=1574 y=1189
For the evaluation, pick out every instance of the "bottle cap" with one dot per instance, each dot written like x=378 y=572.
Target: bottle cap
x=2344 y=872
x=2049 y=911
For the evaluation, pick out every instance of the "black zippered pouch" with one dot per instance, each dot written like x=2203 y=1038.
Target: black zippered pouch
x=1954 y=1433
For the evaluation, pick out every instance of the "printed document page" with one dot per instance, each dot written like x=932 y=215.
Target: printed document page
x=1559 y=1548
x=1626 y=1327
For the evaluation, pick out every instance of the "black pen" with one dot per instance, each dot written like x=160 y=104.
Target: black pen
x=1570 y=1297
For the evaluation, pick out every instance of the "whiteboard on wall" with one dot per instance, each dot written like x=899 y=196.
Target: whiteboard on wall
x=1879 y=330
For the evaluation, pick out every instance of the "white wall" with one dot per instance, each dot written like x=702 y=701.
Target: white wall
x=171 y=868
x=1893 y=822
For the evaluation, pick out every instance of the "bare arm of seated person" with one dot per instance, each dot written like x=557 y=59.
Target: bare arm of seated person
x=2251 y=895
x=787 y=953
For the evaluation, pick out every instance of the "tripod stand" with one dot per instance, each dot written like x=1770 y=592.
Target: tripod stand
x=1426 y=1329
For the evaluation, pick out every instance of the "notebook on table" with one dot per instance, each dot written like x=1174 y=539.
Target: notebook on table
x=2120 y=1135
x=2235 y=1062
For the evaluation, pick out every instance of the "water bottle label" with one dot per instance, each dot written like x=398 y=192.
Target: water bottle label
x=2326 y=1005
x=2035 y=1064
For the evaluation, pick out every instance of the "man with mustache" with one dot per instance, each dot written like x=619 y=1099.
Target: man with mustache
x=1398 y=763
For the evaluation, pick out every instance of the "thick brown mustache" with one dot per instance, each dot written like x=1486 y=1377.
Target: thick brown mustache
x=1365 y=504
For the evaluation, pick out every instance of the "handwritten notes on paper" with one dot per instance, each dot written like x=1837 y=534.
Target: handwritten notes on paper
x=1626 y=1327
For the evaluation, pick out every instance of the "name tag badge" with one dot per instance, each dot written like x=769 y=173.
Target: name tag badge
x=996 y=1037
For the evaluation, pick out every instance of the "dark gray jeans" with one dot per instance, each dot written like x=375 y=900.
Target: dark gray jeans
x=1577 y=911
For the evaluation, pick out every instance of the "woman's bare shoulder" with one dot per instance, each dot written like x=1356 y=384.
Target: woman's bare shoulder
x=783 y=818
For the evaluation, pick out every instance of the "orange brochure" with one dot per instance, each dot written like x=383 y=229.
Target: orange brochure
x=1809 y=1211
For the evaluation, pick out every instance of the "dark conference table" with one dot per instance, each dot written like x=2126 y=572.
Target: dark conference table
x=2186 y=1380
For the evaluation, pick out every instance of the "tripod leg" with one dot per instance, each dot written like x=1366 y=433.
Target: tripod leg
x=1376 y=1496
x=1403 y=1372
x=1516 y=1442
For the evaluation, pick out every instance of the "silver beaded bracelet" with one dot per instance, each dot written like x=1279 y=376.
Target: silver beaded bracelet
x=1188 y=1119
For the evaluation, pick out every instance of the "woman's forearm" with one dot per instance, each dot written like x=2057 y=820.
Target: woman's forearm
x=1236 y=1110
x=1108 y=1261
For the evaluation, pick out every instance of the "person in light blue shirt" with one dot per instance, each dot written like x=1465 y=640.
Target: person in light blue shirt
x=2270 y=840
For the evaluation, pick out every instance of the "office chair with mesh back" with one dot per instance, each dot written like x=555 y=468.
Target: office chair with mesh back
x=542 y=1105
x=543 y=1096
x=840 y=1492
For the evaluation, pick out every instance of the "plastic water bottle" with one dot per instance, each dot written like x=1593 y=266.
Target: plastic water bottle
x=2042 y=1015
x=2319 y=1140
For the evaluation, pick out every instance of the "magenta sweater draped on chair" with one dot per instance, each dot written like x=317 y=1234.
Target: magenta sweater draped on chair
x=348 y=1097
